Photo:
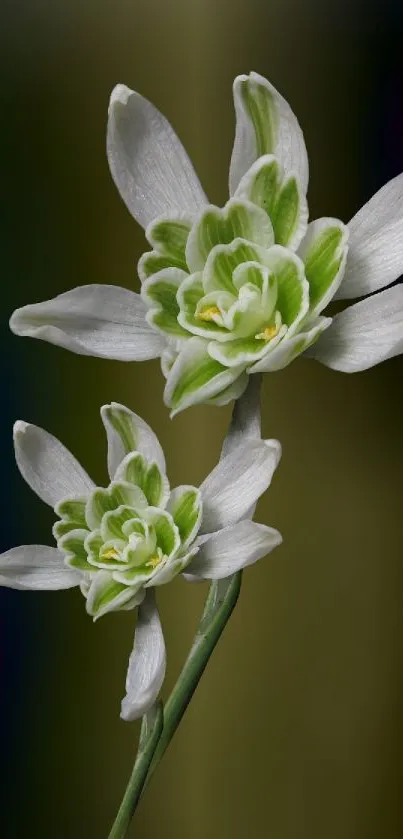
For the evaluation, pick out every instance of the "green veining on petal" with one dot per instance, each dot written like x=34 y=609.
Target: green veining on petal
x=263 y=111
x=153 y=262
x=185 y=509
x=195 y=377
x=123 y=424
x=169 y=237
x=285 y=212
x=264 y=186
x=237 y=220
x=323 y=259
x=222 y=262
x=72 y=509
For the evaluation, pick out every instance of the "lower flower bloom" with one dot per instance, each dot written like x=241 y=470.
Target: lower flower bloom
x=118 y=543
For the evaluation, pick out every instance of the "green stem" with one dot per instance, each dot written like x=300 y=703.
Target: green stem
x=150 y=734
x=221 y=600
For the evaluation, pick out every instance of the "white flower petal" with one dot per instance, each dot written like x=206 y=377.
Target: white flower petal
x=237 y=482
x=287 y=140
x=363 y=335
x=245 y=421
x=101 y=320
x=127 y=432
x=36 y=567
x=147 y=662
x=47 y=466
x=233 y=548
x=375 y=256
x=148 y=163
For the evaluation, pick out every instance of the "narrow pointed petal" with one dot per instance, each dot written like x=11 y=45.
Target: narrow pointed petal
x=265 y=124
x=36 y=567
x=365 y=334
x=233 y=548
x=375 y=256
x=147 y=662
x=237 y=482
x=101 y=320
x=148 y=163
x=47 y=466
x=126 y=432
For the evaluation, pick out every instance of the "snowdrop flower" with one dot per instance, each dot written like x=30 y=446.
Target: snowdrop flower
x=239 y=290
x=117 y=544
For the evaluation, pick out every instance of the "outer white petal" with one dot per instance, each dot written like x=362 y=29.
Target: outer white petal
x=147 y=662
x=363 y=335
x=136 y=434
x=237 y=482
x=102 y=320
x=289 y=147
x=148 y=163
x=376 y=243
x=233 y=548
x=47 y=466
x=245 y=421
x=36 y=567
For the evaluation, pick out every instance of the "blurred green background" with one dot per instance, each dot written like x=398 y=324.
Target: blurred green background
x=296 y=731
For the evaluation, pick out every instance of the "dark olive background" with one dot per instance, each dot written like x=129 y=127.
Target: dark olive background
x=296 y=731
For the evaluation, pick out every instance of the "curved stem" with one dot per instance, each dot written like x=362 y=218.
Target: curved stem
x=150 y=734
x=221 y=600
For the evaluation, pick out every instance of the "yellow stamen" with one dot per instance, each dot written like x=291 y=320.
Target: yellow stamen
x=268 y=333
x=111 y=553
x=208 y=314
x=153 y=562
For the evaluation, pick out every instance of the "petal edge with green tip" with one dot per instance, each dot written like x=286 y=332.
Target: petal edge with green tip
x=265 y=124
x=324 y=252
x=239 y=219
x=280 y=196
x=196 y=377
x=185 y=506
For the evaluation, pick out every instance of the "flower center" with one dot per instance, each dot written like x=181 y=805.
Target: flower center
x=110 y=553
x=208 y=313
x=268 y=333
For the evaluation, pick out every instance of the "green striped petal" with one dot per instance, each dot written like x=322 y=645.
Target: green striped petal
x=185 y=507
x=196 y=377
x=136 y=470
x=265 y=124
x=102 y=501
x=281 y=197
x=72 y=509
x=113 y=521
x=166 y=531
x=107 y=595
x=153 y=262
x=73 y=545
x=324 y=252
x=259 y=103
x=292 y=286
x=169 y=236
x=238 y=219
x=224 y=259
x=159 y=292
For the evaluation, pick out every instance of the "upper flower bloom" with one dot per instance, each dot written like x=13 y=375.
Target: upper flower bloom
x=239 y=290
x=120 y=542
